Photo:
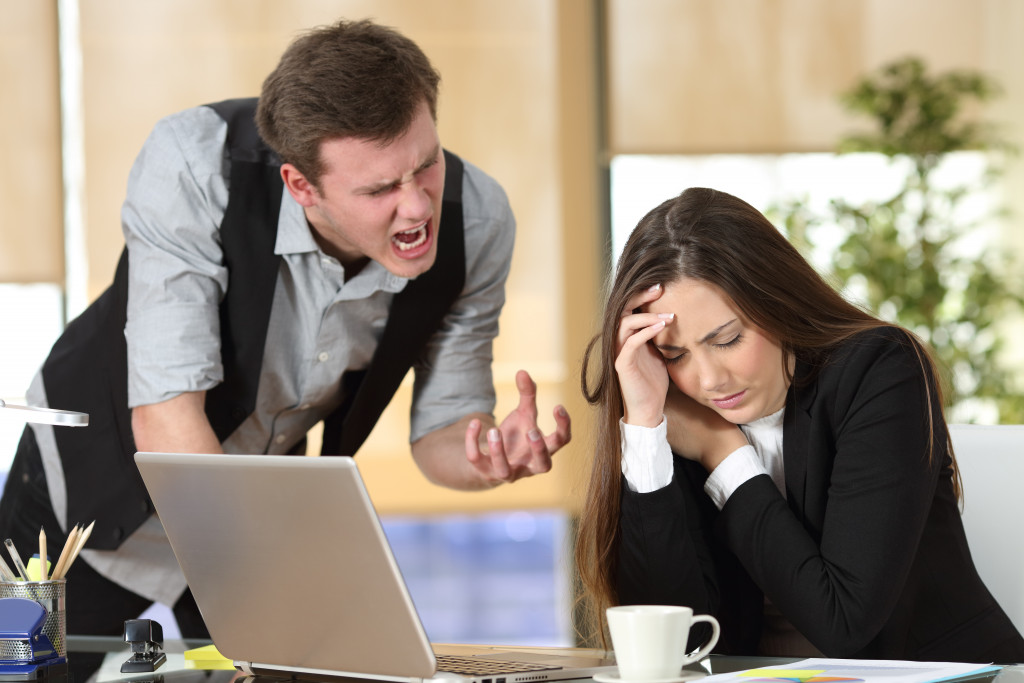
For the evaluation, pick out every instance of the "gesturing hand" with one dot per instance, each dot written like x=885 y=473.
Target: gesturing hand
x=643 y=378
x=516 y=448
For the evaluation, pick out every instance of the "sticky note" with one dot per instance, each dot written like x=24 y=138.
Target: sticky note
x=206 y=657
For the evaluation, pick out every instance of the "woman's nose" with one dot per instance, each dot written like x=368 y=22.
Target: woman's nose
x=712 y=375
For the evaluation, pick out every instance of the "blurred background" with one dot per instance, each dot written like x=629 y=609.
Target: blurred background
x=589 y=113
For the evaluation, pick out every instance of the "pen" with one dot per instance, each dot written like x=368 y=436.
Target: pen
x=18 y=564
x=42 y=554
x=5 y=572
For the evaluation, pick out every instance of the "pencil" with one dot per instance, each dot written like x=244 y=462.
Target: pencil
x=69 y=544
x=18 y=564
x=81 y=541
x=42 y=554
x=79 y=544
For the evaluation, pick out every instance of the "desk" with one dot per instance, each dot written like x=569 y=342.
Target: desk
x=97 y=659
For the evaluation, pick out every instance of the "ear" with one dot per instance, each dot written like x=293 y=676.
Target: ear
x=301 y=190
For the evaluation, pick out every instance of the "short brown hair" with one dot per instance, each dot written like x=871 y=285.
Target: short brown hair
x=351 y=79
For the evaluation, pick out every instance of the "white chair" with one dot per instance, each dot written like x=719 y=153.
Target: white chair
x=991 y=461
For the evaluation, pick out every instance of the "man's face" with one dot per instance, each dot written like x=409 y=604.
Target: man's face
x=380 y=202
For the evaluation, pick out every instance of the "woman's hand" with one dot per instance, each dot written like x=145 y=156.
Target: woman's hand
x=696 y=432
x=643 y=378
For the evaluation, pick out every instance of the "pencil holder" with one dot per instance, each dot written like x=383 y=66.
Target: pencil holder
x=49 y=594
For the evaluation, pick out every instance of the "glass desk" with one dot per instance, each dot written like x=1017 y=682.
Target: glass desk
x=97 y=659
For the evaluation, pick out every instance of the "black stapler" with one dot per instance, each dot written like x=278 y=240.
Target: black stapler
x=147 y=639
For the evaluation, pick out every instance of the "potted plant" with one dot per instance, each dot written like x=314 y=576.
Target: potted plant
x=914 y=257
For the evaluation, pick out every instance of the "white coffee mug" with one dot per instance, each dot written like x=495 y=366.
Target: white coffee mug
x=650 y=640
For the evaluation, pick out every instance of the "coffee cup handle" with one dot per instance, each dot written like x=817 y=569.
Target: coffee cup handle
x=703 y=652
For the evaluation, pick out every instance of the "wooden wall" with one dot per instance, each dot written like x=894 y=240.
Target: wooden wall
x=31 y=223
x=520 y=99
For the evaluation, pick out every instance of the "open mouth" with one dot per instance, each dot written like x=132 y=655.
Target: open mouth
x=410 y=239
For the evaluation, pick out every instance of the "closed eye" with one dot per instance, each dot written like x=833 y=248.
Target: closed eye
x=432 y=162
x=732 y=342
x=381 y=191
x=671 y=360
x=674 y=359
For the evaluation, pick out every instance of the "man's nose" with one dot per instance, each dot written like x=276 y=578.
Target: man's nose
x=414 y=201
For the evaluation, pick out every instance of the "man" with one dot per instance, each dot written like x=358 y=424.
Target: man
x=278 y=274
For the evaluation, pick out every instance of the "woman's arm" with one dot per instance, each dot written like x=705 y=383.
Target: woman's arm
x=665 y=554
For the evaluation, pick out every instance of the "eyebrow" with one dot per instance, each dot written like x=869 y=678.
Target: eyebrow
x=706 y=338
x=431 y=158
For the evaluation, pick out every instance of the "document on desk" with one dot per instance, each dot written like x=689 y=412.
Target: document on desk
x=853 y=671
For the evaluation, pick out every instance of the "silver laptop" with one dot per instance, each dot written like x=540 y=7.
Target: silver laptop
x=293 y=574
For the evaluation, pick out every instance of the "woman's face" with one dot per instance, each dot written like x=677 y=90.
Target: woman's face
x=715 y=356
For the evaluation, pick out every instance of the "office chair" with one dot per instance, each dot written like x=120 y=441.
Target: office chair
x=991 y=461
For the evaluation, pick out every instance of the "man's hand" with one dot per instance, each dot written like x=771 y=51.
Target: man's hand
x=458 y=457
x=517 y=448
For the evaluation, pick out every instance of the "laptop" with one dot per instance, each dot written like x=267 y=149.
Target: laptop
x=293 y=575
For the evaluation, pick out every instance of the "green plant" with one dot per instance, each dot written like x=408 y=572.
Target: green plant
x=913 y=258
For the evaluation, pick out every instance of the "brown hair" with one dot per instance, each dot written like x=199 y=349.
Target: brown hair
x=719 y=239
x=350 y=79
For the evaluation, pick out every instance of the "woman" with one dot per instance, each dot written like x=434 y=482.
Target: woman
x=809 y=498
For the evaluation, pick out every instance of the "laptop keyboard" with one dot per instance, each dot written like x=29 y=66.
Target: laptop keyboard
x=476 y=666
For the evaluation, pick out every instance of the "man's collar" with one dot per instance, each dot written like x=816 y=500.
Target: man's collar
x=293 y=233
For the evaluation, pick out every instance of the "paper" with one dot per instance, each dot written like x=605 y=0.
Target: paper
x=852 y=671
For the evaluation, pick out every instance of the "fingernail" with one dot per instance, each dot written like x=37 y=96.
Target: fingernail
x=493 y=435
x=533 y=434
x=654 y=288
x=562 y=411
x=666 y=316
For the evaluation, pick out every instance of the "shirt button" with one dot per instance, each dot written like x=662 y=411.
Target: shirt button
x=323 y=356
x=280 y=438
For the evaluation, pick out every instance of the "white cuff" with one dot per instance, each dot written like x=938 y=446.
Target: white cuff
x=646 y=456
x=740 y=465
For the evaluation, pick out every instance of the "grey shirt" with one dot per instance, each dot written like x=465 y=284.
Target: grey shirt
x=321 y=326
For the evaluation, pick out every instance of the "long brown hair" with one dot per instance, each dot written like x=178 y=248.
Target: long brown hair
x=714 y=237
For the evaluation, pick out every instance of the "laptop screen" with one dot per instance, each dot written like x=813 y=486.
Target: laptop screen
x=288 y=562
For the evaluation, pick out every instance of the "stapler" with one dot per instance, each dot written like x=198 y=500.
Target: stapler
x=147 y=639
x=26 y=652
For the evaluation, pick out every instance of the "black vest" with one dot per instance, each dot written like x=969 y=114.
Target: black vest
x=87 y=368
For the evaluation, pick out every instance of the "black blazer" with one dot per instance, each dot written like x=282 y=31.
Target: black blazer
x=866 y=555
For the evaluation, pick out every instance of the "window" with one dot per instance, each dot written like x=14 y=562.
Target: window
x=639 y=183
x=32 y=316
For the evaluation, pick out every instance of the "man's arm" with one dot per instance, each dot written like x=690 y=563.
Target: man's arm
x=434 y=454
x=172 y=211
x=178 y=425
x=492 y=454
